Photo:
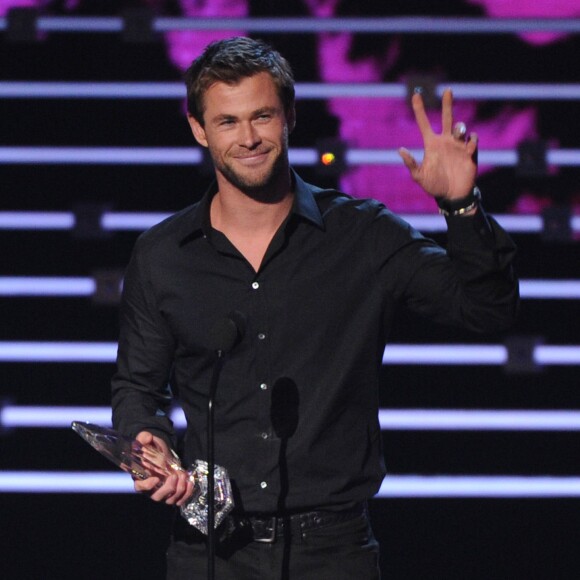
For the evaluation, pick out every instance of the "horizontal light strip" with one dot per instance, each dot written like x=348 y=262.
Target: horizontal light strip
x=11 y=220
x=372 y=25
x=55 y=286
x=194 y=156
x=407 y=354
x=64 y=482
x=25 y=220
x=519 y=91
x=525 y=223
x=401 y=486
x=131 y=221
x=176 y=90
x=557 y=355
x=36 y=286
x=477 y=354
x=63 y=352
x=510 y=222
x=515 y=223
x=102 y=155
x=90 y=90
x=14 y=417
x=478 y=420
x=393 y=486
x=445 y=354
x=547 y=289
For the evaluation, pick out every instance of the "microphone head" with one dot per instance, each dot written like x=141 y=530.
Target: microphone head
x=227 y=332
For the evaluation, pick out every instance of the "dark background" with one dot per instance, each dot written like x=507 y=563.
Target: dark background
x=59 y=536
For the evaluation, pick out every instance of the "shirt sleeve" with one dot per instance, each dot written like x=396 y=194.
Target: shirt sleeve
x=471 y=284
x=141 y=394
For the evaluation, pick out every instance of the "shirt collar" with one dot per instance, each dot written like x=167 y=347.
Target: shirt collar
x=304 y=206
x=304 y=202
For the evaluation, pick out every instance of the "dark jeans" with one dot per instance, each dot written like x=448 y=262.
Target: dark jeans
x=342 y=551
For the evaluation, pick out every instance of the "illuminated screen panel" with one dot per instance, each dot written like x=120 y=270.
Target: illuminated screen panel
x=387 y=123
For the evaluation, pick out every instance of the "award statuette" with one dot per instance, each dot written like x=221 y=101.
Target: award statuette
x=143 y=461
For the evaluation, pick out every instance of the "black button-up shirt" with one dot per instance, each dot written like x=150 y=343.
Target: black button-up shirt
x=296 y=420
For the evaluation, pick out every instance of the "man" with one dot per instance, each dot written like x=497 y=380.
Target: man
x=316 y=276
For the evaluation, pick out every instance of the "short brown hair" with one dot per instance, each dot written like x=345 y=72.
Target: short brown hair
x=231 y=60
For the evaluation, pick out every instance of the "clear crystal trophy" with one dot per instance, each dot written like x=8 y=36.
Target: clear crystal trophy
x=143 y=461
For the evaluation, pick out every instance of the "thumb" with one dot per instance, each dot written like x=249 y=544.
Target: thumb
x=145 y=438
x=408 y=159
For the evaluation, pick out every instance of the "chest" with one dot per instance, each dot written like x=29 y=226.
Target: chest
x=302 y=285
x=252 y=247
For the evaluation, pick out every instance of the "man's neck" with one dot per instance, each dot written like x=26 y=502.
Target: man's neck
x=249 y=224
x=234 y=211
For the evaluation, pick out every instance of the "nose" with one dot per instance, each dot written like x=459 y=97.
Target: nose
x=249 y=136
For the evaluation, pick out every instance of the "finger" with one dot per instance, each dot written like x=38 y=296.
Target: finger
x=447 y=111
x=144 y=437
x=166 y=491
x=176 y=490
x=408 y=159
x=420 y=114
x=472 y=144
x=179 y=489
x=146 y=485
x=187 y=494
x=459 y=131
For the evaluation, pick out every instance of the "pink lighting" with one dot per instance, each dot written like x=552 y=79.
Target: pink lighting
x=537 y=9
x=185 y=45
x=6 y=5
x=389 y=123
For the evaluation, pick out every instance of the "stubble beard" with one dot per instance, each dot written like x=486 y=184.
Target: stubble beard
x=266 y=187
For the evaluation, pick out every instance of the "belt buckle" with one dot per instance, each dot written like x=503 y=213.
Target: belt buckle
x=271 y=528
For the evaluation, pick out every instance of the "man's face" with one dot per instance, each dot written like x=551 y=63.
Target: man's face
x=246 y=130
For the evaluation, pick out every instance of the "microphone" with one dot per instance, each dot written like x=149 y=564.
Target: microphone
x=227 y=332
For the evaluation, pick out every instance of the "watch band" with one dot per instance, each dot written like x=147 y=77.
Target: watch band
x=460 y=206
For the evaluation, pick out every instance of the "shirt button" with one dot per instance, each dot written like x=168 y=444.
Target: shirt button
x=264 y=435
x=263 y=485
x=261 y=336
x=264 y=387
x=255 y=285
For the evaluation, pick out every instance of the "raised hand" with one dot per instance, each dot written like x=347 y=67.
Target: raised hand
x=449 y=165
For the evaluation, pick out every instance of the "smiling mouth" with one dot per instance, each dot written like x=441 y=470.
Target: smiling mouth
x=252 y=159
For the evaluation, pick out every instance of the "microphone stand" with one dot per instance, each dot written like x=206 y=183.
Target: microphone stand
x=211 y=466
x=224 y=337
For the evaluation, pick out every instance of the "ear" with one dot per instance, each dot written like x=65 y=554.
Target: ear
x=197 y=130
x=291 y=118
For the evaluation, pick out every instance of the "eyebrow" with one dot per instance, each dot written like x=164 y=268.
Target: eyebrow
x=256 y=113
x=223 y=117
x=263 y=110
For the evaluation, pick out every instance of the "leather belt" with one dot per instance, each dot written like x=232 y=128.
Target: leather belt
x=268 y=528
